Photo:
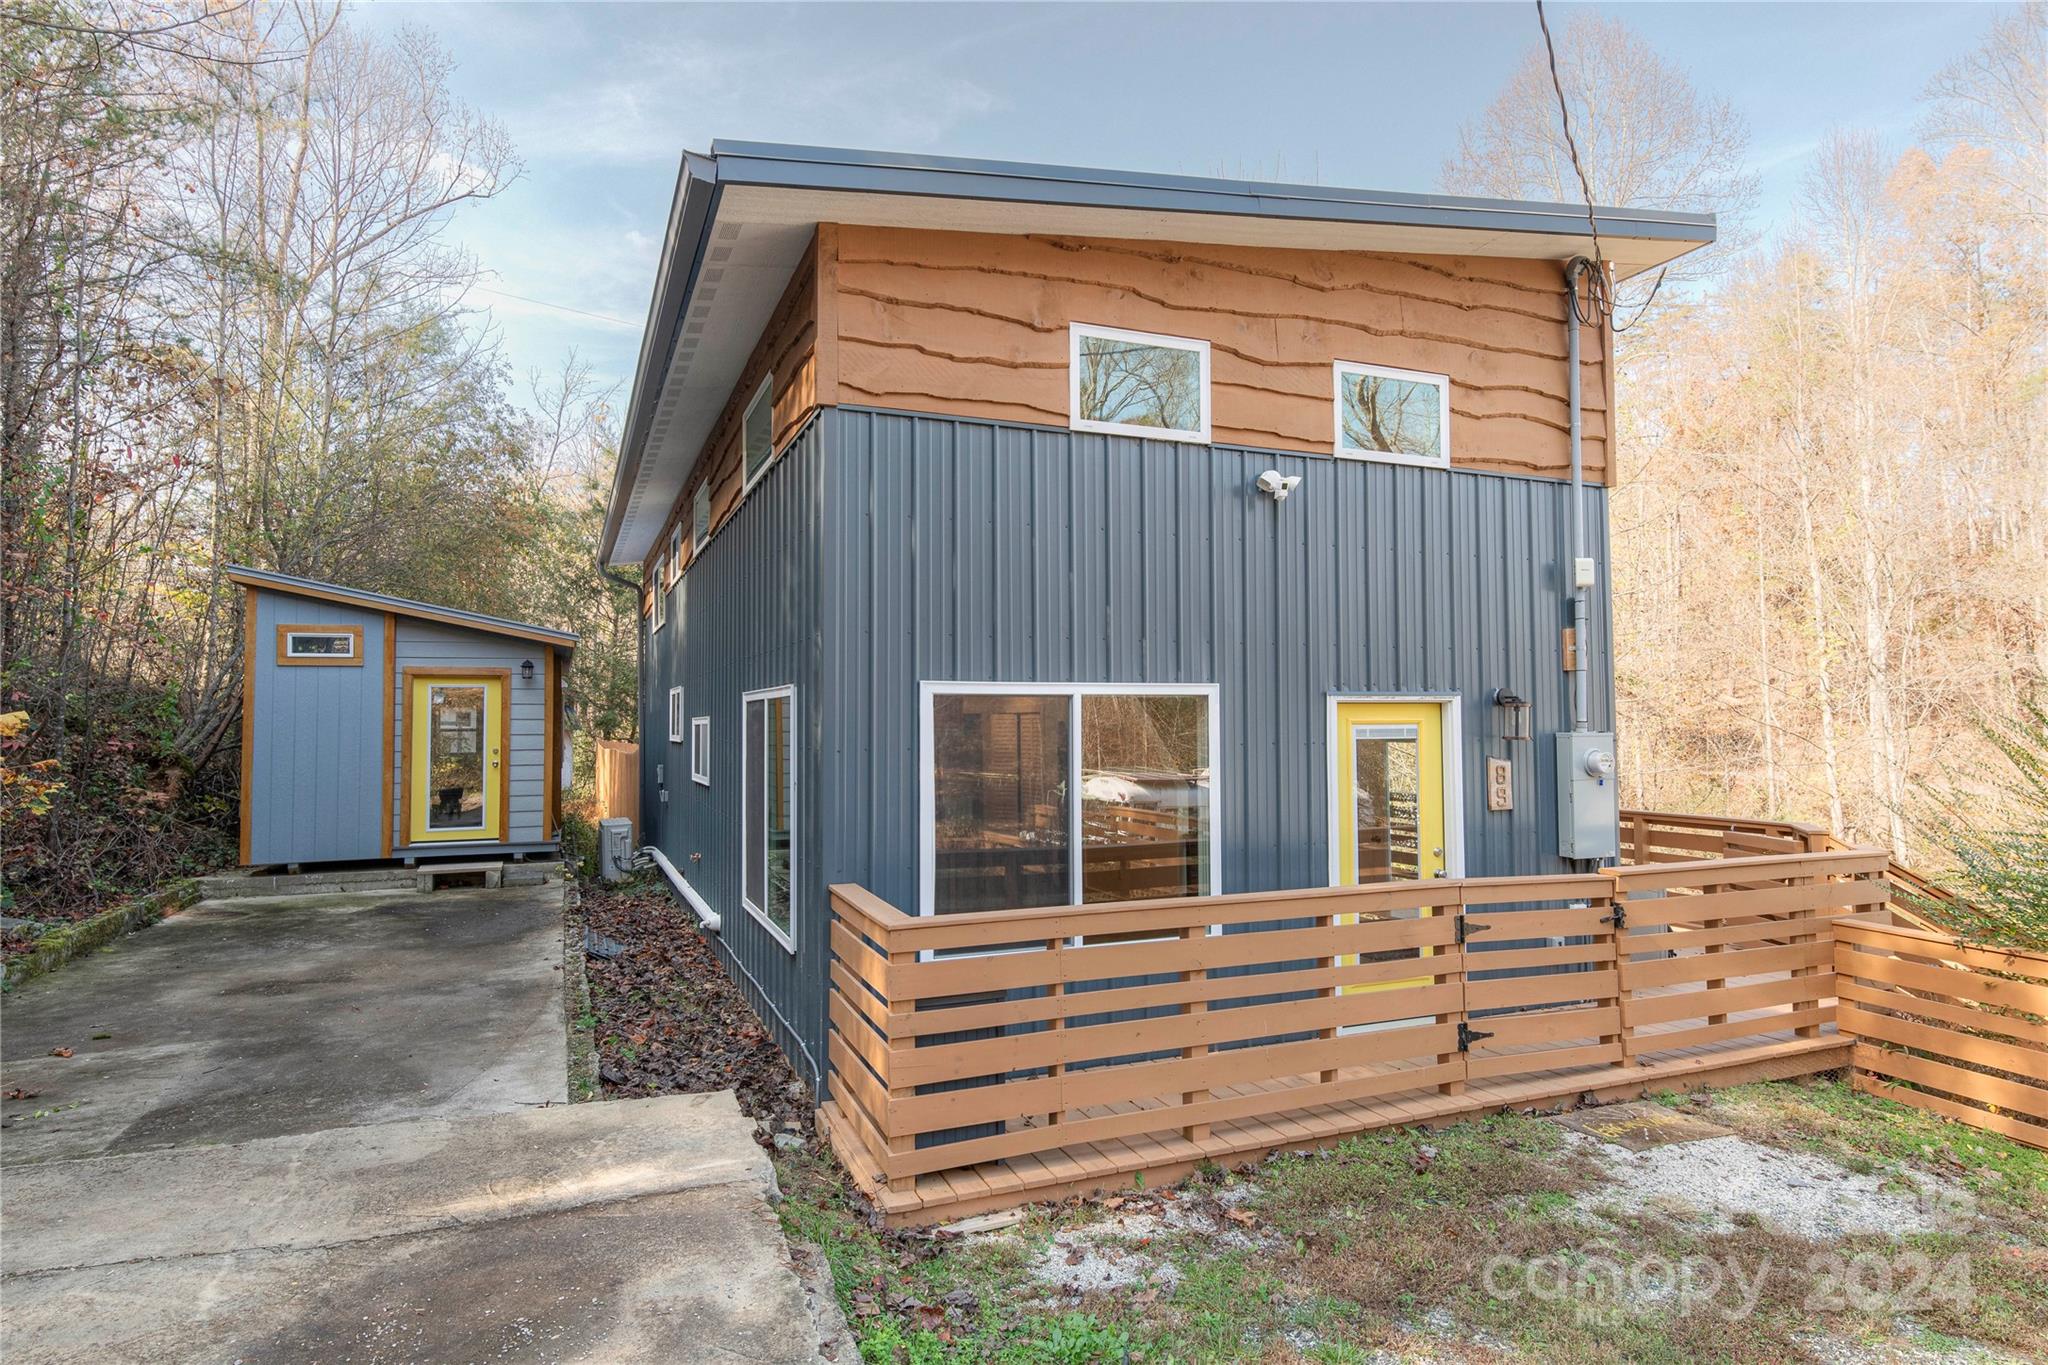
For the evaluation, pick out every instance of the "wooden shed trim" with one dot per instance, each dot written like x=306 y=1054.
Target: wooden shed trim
x=248 y=720
x=285 y=659
x=410 y=610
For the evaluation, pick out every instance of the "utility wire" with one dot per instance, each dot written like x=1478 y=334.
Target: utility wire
x=1598 y=295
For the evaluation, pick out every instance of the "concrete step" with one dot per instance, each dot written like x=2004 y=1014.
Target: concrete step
x=230 y=885
x=376 y=1180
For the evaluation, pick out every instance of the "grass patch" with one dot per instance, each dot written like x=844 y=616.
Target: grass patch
x=1464 y=1241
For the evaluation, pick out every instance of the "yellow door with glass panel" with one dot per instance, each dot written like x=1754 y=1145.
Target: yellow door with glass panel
x=1390 y=789
x=455 y=787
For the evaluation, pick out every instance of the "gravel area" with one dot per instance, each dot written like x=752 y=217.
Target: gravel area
x=1719 y=1179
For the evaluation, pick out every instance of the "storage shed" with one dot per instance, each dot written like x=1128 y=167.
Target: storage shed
x=378 y=727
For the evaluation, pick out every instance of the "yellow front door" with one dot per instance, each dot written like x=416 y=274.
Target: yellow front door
x=1390 y=791
x=455 y=772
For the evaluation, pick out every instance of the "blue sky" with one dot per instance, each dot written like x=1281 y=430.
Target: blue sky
x=601 y=98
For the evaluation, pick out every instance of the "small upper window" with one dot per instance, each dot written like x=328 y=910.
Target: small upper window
x=675 y=715
x=1137 y=384
x=700 y=750
x=675 y=552
x=660 y=591
x=757 y=430
x=320 y=644
x=1387 y=414
x=700 y=516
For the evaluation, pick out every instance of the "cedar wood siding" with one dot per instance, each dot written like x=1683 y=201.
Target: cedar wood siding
x=976 y=326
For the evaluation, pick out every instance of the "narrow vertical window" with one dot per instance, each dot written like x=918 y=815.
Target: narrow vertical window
x=660 y=590
x=675 y=552
x=767 y=811
x=700 y=750
x=700 y=516
x=757 y=430
x=675 y=715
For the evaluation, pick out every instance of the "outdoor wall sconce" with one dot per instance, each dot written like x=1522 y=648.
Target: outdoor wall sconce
x=526 y=673
x=1515 y=714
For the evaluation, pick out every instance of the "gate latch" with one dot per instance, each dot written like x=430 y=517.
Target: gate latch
x=1619 y=917
x=1467 y=1035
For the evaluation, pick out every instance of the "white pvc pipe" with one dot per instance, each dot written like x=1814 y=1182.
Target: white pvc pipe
x=683 y=888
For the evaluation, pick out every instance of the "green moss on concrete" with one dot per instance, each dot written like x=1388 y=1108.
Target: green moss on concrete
x=576 y=998
x=59 y=946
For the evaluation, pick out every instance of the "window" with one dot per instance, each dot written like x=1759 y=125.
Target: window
x=1136 y=384
x=767 y=810
x=1055 y=795
x=320 y=645
x=675 y=552
x=1398 y=415
x=700 y=516
x=660 y=591
x=757 y=430
x=700 y=750
x=675 y=715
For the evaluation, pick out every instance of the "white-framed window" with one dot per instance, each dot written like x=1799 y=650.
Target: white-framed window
x=757 y=431
x=1048 y=794
x=675 y=715
x=1402 y=416
x=700 y=750
x=1137 y=384
x=660 y=588
x=675 y=552
x=700 y=516
x=768 y=810
x=320 y=645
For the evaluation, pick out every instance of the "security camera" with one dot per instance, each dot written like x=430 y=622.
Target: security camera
x=1278 y=484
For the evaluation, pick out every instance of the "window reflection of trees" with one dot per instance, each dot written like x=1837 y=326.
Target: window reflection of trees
x=1136 y=384
x=1397 y=416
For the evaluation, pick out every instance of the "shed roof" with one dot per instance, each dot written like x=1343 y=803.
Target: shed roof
x=398 y=606
x=743 y=215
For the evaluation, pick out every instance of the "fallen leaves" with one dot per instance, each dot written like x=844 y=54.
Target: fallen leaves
x=19 y=1094
x=60 y=1052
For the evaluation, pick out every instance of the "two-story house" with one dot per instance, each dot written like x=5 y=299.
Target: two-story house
x=1022 y=535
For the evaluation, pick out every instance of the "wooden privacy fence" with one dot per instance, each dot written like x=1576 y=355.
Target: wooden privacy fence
x=1957 y=1030
x=618 y=782
x=1011 y=1041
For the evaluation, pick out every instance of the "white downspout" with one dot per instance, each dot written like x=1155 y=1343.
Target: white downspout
x=705 y=913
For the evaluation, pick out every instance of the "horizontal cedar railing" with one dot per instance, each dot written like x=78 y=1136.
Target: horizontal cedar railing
x=1662 y=837
x=1957 y=1030
x=1009 y=1034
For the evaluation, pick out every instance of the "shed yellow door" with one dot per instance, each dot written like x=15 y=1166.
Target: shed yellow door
x=455 y=772
x=1390 y=788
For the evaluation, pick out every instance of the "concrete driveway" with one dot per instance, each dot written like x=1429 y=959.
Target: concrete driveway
x=333 y=1128
x=259 y=1017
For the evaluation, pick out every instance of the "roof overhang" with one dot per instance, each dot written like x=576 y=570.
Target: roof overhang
x=294 y=586
x=743 y=216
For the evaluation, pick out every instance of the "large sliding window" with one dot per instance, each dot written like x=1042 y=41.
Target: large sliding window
x=1040 y=795
x=768 y=810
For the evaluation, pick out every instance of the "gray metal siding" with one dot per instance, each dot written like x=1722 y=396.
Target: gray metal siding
x=314 y=774
x=747 y=617
x=425 y=644
x=977 y=551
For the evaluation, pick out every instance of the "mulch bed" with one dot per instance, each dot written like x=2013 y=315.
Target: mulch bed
x=669 y=1019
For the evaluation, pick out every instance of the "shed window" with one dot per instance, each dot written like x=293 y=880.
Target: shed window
x=767 y=810
x=1041 y=796
x=1137 y=384
x=700 y=750
x=320 y=644
x=757 y=430
x=675 y=715
x=700 y=516
x=1388 y=414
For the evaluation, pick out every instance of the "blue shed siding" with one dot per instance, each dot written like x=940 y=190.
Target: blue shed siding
x=314 y=793
x=426 y=644
x=747 y=617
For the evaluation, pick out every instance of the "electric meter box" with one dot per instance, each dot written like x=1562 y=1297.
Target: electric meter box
x=1588 y=797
